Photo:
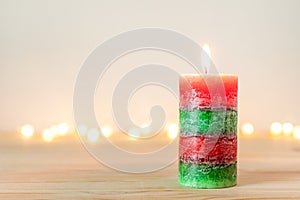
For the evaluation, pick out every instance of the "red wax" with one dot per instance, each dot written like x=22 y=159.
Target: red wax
x=198 y=94
x=204 y=149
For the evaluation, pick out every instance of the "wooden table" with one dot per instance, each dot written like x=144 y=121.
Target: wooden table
x=268 y=169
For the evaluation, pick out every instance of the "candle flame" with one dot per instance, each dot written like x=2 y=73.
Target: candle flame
x=207 y=49
x=205 y=58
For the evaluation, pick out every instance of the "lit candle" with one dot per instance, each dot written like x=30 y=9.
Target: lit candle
x=208 y=131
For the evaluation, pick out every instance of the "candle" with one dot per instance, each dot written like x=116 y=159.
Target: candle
x=208 y=131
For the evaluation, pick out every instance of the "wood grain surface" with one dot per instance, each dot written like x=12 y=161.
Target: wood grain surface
x=268 y=169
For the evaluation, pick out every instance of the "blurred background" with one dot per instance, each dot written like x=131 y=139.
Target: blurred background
x=44 y=43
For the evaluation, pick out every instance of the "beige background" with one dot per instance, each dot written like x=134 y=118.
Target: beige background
x=43 y=44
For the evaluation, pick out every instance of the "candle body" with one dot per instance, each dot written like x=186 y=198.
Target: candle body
x=208 y=131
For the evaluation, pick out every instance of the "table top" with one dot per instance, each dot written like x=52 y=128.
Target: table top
x=267 y=169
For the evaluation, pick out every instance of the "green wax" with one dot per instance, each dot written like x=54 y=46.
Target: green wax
x=203 y=122
x=207 y=175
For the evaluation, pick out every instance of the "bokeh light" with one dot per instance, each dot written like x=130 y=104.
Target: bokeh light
x=106 y=131
x=93 y=135
x=247 y=129
x=287 y=128
x=276 y=128
x=54 y=130
x=82 y=130
x=63 y=129
x=173 y=131
x=27 y=131
x=48 y=135
x=296 y=132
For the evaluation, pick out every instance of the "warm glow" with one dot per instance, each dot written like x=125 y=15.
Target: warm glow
x=48 y=135
x=247 y=129
x=207 y=49
x=287 y=128
x=106 y=131
x=172 y=131
x=54 y=130
x=276 y=128
x=62 y=129
x=93 y=135
x=296 y=132
x=27 y=131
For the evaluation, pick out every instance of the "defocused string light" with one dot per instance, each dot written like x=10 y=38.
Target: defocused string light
x=248 y=129
x=276 y=128
x=287 y=128
x=106 y=131
x=296 y=132
x=93 y=135
x=63 y=129
x=173 y=131
x=82 y=130
x=54 y=130
x=27 y=131
x=48 y=135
